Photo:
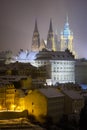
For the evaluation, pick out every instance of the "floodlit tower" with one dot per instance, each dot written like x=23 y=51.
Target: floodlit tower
x=50 y=38
x=57 y=43
x=66 y=38
x=35 y=39
x=42 y=45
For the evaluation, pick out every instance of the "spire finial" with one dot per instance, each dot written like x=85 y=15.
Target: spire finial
x=67 y=19
x=35 y=29
x=50 y=28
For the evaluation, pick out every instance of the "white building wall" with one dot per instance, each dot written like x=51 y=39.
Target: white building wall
x=62 y=71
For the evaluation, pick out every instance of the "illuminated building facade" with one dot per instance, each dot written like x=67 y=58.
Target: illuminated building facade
x=61 y=66
x=7 y=94
x=66 y=39
x=39 y=46
x=42 y=45
x=57 y=42
x=53 y=44
x=9 y=98
x=61 y=62
x=45 y=102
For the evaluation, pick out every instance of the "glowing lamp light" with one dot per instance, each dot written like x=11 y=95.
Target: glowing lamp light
x=0 y=107
x=18 y=108
x=13 y=107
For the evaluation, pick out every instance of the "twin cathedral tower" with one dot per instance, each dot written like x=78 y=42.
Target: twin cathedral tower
x=53 y=44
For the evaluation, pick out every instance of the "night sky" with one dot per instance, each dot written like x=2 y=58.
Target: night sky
x=17 y=19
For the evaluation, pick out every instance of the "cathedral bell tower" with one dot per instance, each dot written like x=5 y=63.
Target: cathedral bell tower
x=66 y=38
x=35 y=39
x=50 y=38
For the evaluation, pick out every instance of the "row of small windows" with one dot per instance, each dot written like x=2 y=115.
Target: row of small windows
x=63 y=71
x=65 y=63
x=61 y=63
x=62 y=56
x=65 y=77
x=42 y=62
x=63 y=68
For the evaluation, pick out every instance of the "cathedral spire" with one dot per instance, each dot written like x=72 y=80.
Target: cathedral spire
x=66 y=31
x=66 y=26
x=66 y=39
x=67 y=19
x=50 y=38
x=50 y=27
x=36 y=28
x=35 y=38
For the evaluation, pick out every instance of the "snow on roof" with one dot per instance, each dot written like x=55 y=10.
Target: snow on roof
x=72 y=94
x=26 y=55
x=51 y=55
x=51 y=92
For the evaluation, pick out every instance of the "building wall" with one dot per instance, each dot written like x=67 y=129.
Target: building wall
x=10 y=99
x=81 y=72
x=7 y=97
x=36 y=104
x=56 y=108
x=73 y=105
x=62 y=71
x=66 y=43
x=68 y=105
x=26 y=83
x=40 y=106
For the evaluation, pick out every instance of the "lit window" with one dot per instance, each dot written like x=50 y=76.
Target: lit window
x=32 y=103
x=54 y=78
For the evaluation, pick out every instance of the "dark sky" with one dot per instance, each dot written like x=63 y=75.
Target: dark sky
x=17 y=19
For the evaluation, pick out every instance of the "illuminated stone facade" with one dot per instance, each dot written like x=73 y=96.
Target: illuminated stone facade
x=7 y=94
x=45 y=102
x=50 y=39
x=66 y=39
x=39 y=46
x=53 y=43
x=35 y=39
x=61 y=66
x=12 y=98
x=61 y=63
